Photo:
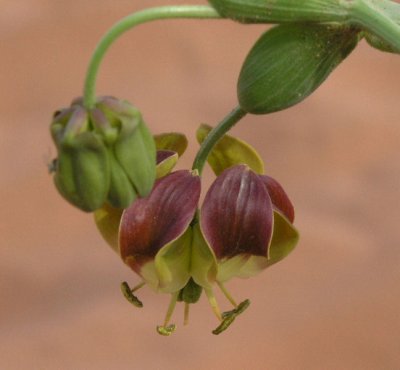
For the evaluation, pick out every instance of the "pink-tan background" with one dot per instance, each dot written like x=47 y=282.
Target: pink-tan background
x=333 y=304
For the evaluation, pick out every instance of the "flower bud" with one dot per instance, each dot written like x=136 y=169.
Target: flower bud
x=280 y=11
x=82 y=173
x=134 y=147
x=289 y=62
x=105 y=154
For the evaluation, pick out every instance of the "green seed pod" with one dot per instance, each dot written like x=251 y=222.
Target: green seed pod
x=289 y=62
x=281 y=11
x=82 y=170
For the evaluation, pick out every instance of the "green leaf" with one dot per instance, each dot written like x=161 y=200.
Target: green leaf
x=230 y=151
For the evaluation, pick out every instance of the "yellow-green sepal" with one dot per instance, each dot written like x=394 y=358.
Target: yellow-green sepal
x=166 y=161
x=230 y=151
x=107 y=220
x=169 y=271
x=284 y=239
x=173 y=141
x=203 y=266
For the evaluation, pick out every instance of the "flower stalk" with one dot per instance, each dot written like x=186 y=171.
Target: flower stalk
x=129 y=22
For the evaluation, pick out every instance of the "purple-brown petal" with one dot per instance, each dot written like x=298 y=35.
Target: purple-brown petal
x=152 y=222
x=237 y=216
x=279 y=197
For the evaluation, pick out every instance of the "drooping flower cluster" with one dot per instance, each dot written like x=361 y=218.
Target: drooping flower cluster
x=177 y=247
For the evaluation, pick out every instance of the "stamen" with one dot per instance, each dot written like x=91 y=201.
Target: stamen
x=169 y=329
x=227 y=294
x=213 y=302
x=128 y=293
x=137 y=287
x=230 y=316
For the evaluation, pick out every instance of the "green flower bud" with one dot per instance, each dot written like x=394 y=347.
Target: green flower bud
x=106 y=154
x=134 y=147
x=280 y=11
x=289 y=62
x=121 y=192
x=82 y=171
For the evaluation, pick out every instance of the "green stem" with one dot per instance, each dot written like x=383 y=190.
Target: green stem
x=125 y=24
x=379 y=17
x=216 y=133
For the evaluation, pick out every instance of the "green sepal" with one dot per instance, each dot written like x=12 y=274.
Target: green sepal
x=107 y=220
x=289 y=62
x=191 y=293
x=203 y=262
x=83 y=171
x=230 y=151
x=135 y=151
x=173 y=141
x=169 y=271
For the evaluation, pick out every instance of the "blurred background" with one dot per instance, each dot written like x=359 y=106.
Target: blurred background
x=333 y=304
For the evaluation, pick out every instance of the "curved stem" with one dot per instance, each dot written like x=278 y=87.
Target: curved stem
x=380 y=17
x=125 y=24
x=216 y=133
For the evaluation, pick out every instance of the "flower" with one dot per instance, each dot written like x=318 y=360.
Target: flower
x=155 y=237
x=243 y=227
